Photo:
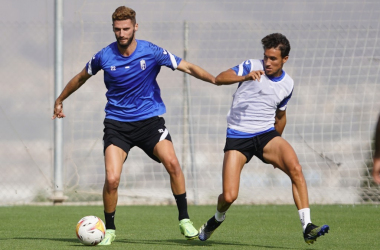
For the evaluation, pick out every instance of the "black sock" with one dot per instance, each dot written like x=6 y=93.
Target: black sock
x=182 y=206
x=110 y=220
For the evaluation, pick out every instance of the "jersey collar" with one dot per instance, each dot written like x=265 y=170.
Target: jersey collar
x=278 y=78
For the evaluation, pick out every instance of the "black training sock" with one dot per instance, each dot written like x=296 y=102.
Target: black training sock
x=110 y=220
x=182 y=206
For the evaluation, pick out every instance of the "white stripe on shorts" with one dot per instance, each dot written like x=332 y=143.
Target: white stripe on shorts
x=164 y=134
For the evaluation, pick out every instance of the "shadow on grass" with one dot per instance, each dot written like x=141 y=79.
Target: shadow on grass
x=205 y=244
x=53 y=239
x=69 y=240
x=179 y=242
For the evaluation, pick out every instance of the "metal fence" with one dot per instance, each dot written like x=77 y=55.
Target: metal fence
x=334 y=61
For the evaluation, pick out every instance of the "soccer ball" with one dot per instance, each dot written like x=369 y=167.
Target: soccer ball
x=90 y=230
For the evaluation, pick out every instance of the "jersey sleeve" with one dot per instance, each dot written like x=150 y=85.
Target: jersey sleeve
x=164 y=57
x=283 y=104
x=95 y=64
x=243 y=69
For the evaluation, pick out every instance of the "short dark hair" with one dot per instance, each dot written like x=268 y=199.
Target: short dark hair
x=277 y=40
x=124 y=13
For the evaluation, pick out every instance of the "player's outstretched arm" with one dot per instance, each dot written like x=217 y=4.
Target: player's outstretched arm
x=376 y=156
x=70 y=88
x=280 y=121
x=195 y=71
x=229 y=77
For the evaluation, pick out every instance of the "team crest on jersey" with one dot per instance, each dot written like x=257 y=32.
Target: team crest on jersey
x=143 y=64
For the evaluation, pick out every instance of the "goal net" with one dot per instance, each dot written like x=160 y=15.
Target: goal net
x=335 y=64
x=334 y=61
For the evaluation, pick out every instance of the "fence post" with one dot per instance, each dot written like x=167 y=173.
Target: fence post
x=58 y=196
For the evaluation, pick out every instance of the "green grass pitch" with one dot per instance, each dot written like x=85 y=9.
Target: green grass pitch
x=156 y=227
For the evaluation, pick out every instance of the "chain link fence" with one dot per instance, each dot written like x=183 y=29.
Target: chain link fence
x=334 y=61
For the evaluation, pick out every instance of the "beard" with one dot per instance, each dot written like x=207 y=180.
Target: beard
x=125 y=46
x=273 y=73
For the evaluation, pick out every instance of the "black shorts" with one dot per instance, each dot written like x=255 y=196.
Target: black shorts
x=144 y=134
x=251 y=146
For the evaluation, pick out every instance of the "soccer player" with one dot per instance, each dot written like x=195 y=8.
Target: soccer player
x=376 y=156
x=132 y=112
x=255 y=122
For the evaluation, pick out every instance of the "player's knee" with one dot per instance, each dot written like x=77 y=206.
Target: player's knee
x=112 y=183
x=172 y=166
x=230 y=197
x=296 y=171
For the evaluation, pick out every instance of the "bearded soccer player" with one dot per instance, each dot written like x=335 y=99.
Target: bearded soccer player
x=255 y=123
x=132 y=112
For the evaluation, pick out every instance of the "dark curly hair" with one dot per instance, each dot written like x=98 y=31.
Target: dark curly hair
x=277 y=40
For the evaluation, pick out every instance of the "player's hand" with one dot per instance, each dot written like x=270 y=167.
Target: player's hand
x=255 y=75
x=58 y=111
x=376 y=170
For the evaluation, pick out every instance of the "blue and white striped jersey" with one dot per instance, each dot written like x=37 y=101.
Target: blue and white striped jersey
x=132 y=90
x=255 y=103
